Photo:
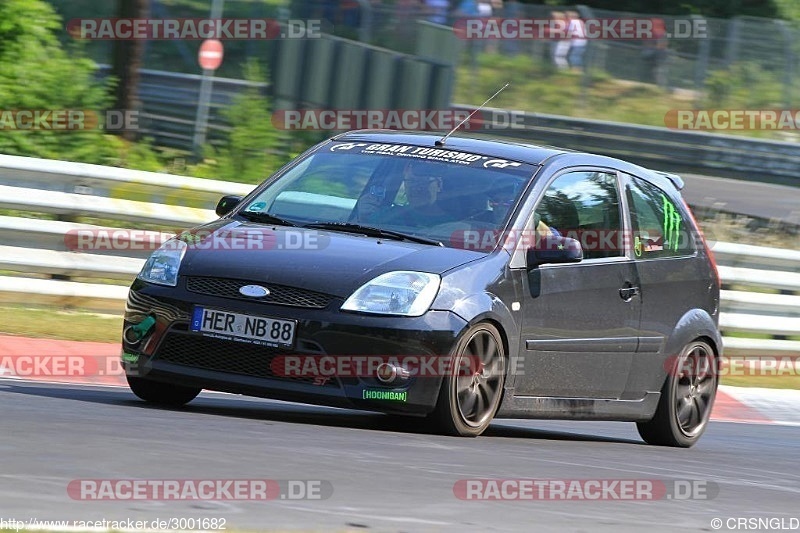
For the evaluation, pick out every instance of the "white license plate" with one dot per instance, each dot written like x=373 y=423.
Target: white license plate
x=259 y=330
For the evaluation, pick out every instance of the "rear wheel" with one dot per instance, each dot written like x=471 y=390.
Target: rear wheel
x=471 y=393
x=686 y=399
x=162 y=393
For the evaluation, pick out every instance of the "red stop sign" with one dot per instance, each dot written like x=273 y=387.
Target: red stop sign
x=210 y=55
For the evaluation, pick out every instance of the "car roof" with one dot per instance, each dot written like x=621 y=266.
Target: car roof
x=513 y=151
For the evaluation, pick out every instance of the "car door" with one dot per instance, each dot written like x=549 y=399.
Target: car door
x=580 y=321
x=673 y=280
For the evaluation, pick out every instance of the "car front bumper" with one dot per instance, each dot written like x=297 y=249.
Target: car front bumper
x=172 y=353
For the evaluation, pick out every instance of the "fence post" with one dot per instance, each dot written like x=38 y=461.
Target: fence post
x=365 y=26
x=732 y=47
x=204 y=97
x=702 y=62
x=585 y=12
x=789 y=59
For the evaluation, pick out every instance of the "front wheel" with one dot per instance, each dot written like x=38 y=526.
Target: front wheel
x=162 y=393
x=686 y=399
x=471 y=392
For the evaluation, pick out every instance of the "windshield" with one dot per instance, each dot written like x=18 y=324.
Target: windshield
x=434 y=193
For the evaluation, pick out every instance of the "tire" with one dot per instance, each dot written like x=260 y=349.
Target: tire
x=162 y=393
x=469 y=399
x=686 y=399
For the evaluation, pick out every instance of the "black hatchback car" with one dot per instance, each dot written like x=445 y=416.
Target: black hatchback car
x=459 y=281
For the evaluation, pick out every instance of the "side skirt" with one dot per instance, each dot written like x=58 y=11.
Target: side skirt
x=577 y=408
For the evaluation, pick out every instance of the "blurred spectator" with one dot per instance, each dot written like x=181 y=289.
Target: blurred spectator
x=495 y=9
x=406 y=13
x=656 y=54
x=473 y=9
x=437 y=11
x=350 y=13
x=511 y=9
x=560 y=46
x=467 y=8
x=577 y=33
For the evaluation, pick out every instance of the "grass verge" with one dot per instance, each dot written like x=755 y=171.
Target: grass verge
x=83 y=326
x=537 y=86
x=59 y=324
x=766 y=382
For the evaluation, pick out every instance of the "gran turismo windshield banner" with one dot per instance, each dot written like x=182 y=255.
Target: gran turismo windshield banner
x=426 y=153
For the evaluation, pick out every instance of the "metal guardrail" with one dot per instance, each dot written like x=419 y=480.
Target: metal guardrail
x=46 y=248
x=678 y=151
x=169 y=103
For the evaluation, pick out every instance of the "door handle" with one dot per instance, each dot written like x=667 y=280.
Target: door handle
x=628 y=292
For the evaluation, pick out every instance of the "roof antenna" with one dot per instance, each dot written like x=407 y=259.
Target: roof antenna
x=441 y=141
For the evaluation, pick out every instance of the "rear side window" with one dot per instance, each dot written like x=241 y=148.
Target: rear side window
x=659 y=227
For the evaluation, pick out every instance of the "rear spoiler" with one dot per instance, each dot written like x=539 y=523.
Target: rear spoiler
x=676 y=180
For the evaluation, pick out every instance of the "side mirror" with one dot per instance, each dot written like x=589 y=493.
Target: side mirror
x=554 y=250
x=227 y=203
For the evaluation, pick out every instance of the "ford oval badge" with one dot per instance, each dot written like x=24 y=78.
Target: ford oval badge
x=254 y=291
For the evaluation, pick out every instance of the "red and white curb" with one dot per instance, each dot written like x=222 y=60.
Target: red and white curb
x=733 y=404
x=51 y=360
x=757 y=405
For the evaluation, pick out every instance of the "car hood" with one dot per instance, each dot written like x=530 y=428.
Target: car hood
x=330 y=262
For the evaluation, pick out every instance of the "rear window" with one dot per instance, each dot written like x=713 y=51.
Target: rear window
x=660 y=229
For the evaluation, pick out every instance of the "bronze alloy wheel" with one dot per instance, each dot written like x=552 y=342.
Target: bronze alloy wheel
x=686 y=399
x=468 y=400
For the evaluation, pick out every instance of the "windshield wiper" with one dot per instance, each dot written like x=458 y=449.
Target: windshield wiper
x=257 y=216
x=372 y=232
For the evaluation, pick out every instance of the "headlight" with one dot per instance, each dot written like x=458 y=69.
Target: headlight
x=162 y=266
x=395 y=293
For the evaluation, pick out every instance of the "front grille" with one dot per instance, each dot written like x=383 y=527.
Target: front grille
x=225 y=356
x=278 y=294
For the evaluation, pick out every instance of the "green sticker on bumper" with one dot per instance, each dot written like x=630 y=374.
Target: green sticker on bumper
x=130 y=357
x=384 y=395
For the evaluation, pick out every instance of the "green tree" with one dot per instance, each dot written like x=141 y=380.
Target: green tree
x=127 y=60
x=37 y=73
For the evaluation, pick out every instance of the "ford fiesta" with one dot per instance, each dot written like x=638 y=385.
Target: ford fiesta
x=456 y=279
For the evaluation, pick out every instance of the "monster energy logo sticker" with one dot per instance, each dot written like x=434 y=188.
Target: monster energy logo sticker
x=671 y=225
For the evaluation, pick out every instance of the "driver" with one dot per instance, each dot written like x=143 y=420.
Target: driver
x=422 y=185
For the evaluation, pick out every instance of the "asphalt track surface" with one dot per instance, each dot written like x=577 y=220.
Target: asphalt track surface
x=760 y=200
x=386 y=474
